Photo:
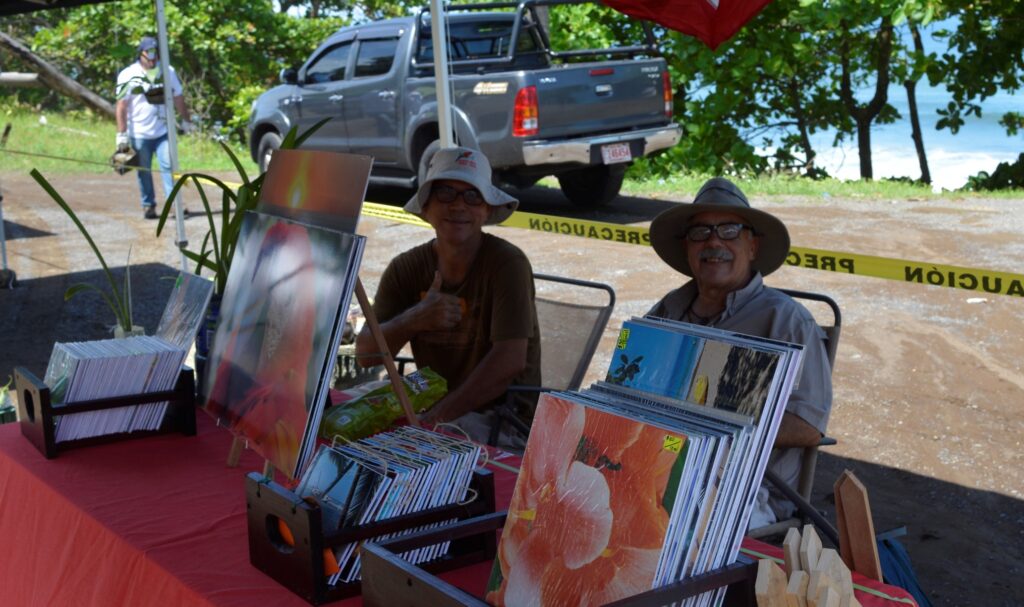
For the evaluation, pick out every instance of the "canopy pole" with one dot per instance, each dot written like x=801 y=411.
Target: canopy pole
x=439 y=37
x=172 y=126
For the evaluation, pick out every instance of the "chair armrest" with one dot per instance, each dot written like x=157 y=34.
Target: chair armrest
x=827 y=441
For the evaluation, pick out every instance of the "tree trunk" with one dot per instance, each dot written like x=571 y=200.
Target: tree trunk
x=915 y=120
x=863 y=115
x=793 y=88
x=864 y=148
x=15 y=79
x=54 y=79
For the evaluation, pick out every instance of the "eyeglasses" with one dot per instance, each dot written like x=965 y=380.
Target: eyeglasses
x=725 y=231
x=446 y=194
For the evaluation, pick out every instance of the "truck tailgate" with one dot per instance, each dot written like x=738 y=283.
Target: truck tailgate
x=599 y=97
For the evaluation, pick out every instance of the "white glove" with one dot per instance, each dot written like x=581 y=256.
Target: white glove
x=121 y=141
x=187 y=127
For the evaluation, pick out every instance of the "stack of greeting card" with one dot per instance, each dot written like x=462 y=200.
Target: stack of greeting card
x=390 y=474
x=646 y=478
x=82 y=371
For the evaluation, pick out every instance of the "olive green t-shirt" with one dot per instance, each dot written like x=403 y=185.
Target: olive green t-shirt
x=497 y=302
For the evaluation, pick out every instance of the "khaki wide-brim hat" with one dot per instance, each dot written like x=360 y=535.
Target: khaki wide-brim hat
x=469 y=166
x=719 y=195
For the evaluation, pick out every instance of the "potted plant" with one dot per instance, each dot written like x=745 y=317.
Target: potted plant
x=119 y=299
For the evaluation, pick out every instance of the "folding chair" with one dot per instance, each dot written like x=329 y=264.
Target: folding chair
x=809 y=459
x=572 y=316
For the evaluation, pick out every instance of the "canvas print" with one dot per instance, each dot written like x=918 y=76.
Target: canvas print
x=654 y=360
x=734 y=378
x=185 y=309
x=278 y=315
x=590 y=511
x=324 y=189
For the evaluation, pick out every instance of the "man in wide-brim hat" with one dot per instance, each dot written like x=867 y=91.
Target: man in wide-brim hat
x=727 y=247
x=465 y=299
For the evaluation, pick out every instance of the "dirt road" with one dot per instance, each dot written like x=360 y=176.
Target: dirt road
x=929 y=384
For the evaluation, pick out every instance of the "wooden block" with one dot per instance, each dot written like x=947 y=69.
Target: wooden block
x=791 y=551
x=770 y=585
x=796 y=590
x=826 y=597
x=844 y=535
x=810 y=548
x=860 y=528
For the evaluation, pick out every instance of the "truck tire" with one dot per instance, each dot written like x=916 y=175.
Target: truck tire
x=269 y=143
x=594 y=186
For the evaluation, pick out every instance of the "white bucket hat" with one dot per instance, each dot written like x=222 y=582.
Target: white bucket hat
x=469 y=166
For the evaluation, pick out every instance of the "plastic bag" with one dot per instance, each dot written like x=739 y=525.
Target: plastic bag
x=377 y=409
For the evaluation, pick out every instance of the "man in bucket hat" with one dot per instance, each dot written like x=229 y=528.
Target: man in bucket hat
x=465 y=299
x=727 y=247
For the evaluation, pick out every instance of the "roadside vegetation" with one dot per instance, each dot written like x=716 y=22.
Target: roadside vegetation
x=76 y=142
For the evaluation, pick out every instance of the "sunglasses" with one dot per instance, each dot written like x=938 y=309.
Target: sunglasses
x=725 y=231
x=447 y=194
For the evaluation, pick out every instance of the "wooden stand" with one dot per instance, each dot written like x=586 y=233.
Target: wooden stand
x=300 y=567
x=36 y=413
x=390 y=580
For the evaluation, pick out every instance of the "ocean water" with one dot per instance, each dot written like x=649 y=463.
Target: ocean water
x=980 y=145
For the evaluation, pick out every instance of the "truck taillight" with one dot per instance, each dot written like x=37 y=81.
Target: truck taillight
x=666 y=84
x=524 y=115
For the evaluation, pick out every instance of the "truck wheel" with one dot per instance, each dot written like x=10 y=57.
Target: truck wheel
x=428 y=153
x=593 y=186
x=269 y=143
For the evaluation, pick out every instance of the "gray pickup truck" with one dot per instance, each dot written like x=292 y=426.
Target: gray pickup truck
x=534 y=112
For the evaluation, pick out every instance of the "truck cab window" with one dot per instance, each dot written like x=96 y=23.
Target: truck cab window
x=477 y=40
x=329 y=66
x=375 y=57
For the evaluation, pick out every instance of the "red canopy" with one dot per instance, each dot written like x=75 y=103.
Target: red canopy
x=711 y=21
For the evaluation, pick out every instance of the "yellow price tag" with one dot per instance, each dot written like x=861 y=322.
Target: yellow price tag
x=673 y=443
x=623 y=338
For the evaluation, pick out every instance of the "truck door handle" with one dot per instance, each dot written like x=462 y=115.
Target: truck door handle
x=335 y=98
x=386 y=94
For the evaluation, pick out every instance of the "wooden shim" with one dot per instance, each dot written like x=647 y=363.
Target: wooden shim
x=810 y=548
x=796 y=590
x=770 y=585
x=826 y=597
x=791 y=551
x=389 y=362
x=860 y=529
x=844 y=533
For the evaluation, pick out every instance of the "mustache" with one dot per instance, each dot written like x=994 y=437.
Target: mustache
x=716 y=255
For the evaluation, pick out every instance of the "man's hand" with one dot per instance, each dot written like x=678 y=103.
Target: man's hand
x=121 y=141
x=438 y=311
x=187 y=128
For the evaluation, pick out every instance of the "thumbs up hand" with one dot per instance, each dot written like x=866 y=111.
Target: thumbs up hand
x=438 y=311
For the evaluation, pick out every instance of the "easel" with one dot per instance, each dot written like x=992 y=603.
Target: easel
x=238 y=444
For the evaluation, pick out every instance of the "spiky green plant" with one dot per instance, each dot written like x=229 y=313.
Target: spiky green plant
x=119 y=298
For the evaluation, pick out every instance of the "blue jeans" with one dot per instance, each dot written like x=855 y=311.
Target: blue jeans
x=146 y=148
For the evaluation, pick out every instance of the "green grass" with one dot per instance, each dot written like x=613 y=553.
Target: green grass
x=79 y=142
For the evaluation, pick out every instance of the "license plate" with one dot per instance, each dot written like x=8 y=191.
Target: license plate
x=613 y=153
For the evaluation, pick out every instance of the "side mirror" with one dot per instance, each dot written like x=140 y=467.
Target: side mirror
x=289 y=75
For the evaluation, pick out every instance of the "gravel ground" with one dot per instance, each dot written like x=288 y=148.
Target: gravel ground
x=929 y=385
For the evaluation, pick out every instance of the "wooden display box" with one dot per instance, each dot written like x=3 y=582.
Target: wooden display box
x=36 y=413
x=391 y=581
x=300 y=567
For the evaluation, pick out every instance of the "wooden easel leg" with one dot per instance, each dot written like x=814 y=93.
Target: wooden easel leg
x=235 y=453
x=268 y=469
x=389 y=361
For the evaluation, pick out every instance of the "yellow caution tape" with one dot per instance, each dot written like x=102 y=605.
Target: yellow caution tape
x=938 y=275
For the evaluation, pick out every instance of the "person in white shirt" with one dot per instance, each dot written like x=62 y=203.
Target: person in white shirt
x=142 y=124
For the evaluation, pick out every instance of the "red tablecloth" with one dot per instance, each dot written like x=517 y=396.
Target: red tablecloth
x=159 y=520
